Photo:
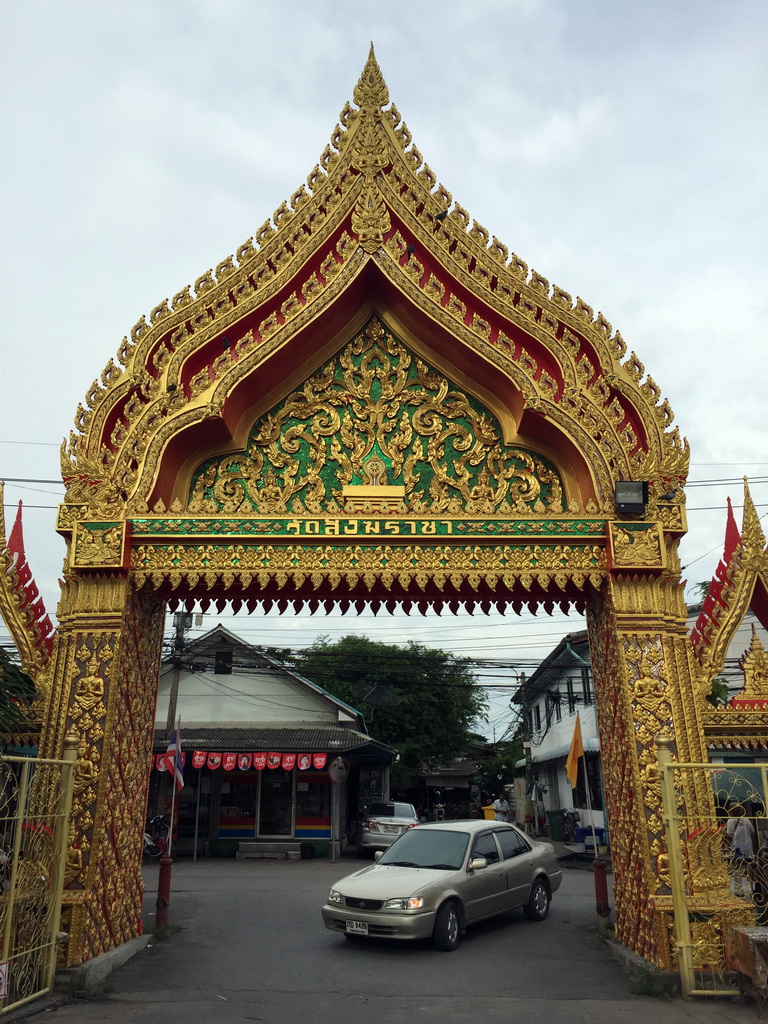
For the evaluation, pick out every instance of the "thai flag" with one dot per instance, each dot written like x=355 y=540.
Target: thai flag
x=172 y=757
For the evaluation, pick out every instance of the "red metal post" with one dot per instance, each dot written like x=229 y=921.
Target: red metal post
x=163 y=892
x=601 y=894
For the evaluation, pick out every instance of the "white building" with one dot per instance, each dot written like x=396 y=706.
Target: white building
x=560 y=689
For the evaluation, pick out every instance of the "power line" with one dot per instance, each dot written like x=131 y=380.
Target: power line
x=25 y=480
x=40 y=444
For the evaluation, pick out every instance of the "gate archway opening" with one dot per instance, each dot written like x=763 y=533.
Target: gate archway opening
x=372 y=403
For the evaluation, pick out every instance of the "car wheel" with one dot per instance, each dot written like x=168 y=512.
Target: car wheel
x=447 y=930
x=537 y=907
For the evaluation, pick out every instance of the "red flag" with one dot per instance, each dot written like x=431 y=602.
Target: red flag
x=259 y=761
x=214 y=760
x=318 y=760
x=199 y=757
x=273 y=759
x=289 y=760
x=172 y=757
x=305 y=761
x=228 y=762
x=244 y=762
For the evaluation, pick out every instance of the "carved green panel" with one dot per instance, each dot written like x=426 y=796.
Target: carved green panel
x=377 y=415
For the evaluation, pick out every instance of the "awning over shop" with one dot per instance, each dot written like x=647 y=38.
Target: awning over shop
x=290 y=743
x=591 y=746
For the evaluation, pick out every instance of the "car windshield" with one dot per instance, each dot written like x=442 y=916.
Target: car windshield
x=391 y=809
x=422 y=848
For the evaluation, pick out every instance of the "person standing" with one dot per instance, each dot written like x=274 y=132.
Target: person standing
x=501 y=807
x=740 y=833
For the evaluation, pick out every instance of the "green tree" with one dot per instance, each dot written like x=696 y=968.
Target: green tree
x=419 y=700
x=720 y=694
x=498 y=770
x=16 y=690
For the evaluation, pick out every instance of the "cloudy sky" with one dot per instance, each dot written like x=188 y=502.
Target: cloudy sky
x=618 y=148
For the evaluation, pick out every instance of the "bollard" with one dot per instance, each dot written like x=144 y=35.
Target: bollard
x=601 y=895
x=163 y=892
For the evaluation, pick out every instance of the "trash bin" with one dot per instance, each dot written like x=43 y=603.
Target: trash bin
x=489 y=813
x=556 y=822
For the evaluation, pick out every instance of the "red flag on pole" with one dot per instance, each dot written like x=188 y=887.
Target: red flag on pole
x=172 y=757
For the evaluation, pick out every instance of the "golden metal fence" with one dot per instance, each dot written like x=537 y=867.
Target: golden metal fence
x=35 y=802
x=717 y=869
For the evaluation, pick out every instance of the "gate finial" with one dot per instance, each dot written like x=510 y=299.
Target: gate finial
x=371 y=93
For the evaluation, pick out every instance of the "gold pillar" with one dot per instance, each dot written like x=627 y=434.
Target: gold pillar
x=644 y=685
x=107 y=662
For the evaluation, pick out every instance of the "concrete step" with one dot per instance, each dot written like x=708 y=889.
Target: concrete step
x=269 y=851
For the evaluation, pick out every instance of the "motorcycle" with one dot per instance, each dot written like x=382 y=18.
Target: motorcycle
x=157 y=839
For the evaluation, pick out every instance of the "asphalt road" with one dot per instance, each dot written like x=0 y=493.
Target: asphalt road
x=252 y=947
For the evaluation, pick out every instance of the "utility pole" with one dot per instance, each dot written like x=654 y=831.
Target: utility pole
x=526 y=734
x=530 y=813
x=181 y=622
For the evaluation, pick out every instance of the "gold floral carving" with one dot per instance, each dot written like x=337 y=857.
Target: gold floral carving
x=638 y=547
x=97 y=546
x=754 y=665
x=378 y=400
x=399 y=567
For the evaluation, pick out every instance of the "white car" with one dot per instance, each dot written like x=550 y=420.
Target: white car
x=437 y=879
x=383 y=822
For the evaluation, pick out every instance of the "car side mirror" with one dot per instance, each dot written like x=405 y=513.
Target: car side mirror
x=377 y=854
x=478 y=863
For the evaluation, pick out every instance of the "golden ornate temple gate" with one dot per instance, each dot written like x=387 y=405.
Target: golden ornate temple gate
x=373 y=403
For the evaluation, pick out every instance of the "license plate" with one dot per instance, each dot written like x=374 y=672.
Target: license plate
x=357 y=927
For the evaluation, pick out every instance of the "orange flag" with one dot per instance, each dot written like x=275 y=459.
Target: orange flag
x=576 y=751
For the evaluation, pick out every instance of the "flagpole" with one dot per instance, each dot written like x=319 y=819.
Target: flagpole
x=197 y=812
x=173 y=789
x=589 y=805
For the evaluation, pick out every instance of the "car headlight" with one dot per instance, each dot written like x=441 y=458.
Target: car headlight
x=405 y=903
x=335 y=897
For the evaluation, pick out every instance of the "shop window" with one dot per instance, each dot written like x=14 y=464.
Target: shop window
x=313 y=807
x=239 y=799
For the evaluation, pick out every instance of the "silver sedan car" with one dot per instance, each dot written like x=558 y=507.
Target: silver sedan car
x=383 y=822
x=438 y=878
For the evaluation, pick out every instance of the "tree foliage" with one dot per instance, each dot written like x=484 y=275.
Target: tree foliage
x=499 y=770
x=720 y=694
x=16 y=690
x=438 y=695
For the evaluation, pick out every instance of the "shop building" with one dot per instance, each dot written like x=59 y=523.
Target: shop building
x=268 y=755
